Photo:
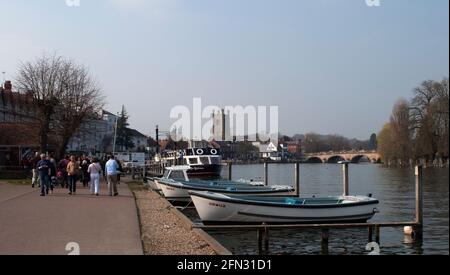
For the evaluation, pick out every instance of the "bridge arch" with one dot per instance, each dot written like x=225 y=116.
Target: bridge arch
x=335 y=159
x=361 y=158
x=314 y=160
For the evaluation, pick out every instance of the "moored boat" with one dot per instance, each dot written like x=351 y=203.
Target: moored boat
x=204 y=163
x=176 y=185
x=215 y=208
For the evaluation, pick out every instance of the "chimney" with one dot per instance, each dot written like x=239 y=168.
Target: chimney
x=8 y=86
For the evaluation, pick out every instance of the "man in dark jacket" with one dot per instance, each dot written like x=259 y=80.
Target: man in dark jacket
x=44 y=166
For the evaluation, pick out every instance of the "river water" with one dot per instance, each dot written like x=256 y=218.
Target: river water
x=393 y=187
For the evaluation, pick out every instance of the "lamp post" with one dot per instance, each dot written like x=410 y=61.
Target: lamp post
x=115 y=136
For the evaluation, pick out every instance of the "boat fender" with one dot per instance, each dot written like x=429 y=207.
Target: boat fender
x=213 y=151
x=200 y=152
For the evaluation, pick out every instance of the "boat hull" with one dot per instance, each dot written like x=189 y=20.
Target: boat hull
x=216 y=211
x=181 y=193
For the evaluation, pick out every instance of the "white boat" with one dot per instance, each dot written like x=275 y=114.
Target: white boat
x=214 y=208
x=176 y=185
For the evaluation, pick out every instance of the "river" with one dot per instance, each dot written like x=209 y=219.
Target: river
x=392 y=186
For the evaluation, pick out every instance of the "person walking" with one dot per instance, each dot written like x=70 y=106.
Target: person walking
x=111 y=168
x=73 y=170
x=95 y=170
x=35 y=177
x=62 y=166
x=43 y=166
x=119 y=170
x=84 y=171
x=52 y=172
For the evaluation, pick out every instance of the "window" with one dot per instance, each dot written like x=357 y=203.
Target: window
x=177 y=175
x=215 y=160
x=166 y=174
x=193 y=160
x=204 y=160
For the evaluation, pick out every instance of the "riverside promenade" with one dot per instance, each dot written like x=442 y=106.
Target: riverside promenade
x=34 y=225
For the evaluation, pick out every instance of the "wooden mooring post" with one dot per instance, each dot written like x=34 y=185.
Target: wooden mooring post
x=262 y=234
x=370 y=234
x=325 y=240
x=345 y=178
x=297 y=179
x=266 y=173
x=418 y=230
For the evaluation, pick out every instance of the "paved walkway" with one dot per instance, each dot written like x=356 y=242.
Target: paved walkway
x=30 y=224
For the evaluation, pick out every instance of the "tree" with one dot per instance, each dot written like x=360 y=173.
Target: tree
x=65 y=96
x=385 y=143
x=44 y=80
x=430 y=117
x=400 y=130
x=246 y=150
x=373 y=142
x=81 y=101
x=124 y=138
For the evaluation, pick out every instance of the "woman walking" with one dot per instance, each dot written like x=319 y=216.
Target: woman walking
x=73 y=170
x=84 y=171
x=95 y=170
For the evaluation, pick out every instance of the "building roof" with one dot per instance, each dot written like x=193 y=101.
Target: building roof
x=268 y=148
x=108 y=113
x=136 y=133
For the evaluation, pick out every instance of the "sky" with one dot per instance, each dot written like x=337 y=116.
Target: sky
x=332 y=66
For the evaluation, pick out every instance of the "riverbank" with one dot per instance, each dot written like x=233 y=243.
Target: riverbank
x=162 y=231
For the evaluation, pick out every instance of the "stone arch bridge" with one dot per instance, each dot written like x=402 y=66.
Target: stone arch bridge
x=335 y=157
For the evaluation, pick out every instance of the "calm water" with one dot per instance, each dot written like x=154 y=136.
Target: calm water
x=393 y=187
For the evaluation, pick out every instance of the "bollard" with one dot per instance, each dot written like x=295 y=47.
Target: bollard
x=345 y=178
x=230 y=168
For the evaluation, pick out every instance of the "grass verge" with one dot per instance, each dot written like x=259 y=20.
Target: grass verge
x=19 y=182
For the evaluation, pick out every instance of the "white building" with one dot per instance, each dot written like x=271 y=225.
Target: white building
x=270 y=152
x=139 y=140
x=95 y=135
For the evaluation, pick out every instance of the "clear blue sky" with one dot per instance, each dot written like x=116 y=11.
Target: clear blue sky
x=332 y=66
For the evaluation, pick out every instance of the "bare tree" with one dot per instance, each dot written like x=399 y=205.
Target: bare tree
x=65 y=97
x=43 y=79
x=81 y=101
x=430 y=118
